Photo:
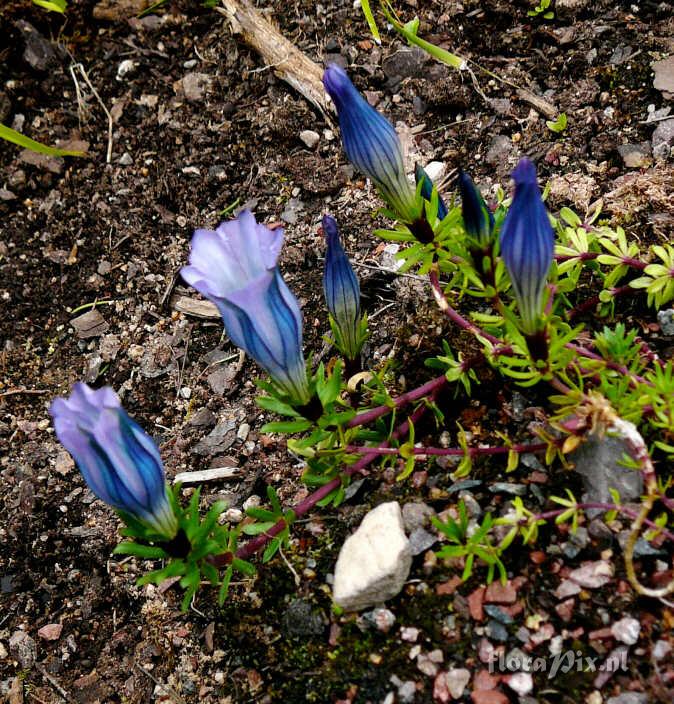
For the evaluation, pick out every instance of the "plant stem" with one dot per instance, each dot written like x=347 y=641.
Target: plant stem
x=583 y=352
x=589 y=256
x=459 y=320
x=408 y=397
x=449 y=451
x=593 y=300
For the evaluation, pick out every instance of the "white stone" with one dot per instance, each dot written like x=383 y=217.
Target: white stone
x=435 y=170
x=626 y=630
x=457 y=680
x=125 y=68
x=374 y=562
x=310 y=138
x=521 y=683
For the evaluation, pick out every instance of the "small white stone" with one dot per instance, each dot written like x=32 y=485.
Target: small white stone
x=626 y=630
x=233 y=515
x=374 y=562
x=521 y=683
x=310 y=138
x=457 y=680
x=435 y=170
x=252 y=501
x=125 y=68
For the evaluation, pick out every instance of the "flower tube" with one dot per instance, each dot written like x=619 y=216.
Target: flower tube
x=477 y=218
x=235 y=266
x=422 y=177
x=342 y=293
x=527 y=246
x=371 y=143
x=117 y=458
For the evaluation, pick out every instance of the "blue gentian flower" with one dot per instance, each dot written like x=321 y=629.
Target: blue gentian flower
x=342 y=292
x=118 y=460
x=371 y=143
x=235 y=267
x=422 y=177
x=477 y=218
x=527 y=246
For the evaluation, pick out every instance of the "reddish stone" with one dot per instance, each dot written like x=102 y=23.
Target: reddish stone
x=600 y=634
x=52 y=631
x=538 y=477
x=449 y=587
x=565 y=609
x=538 y=557
x=485 y=680
x=489 y=696
x=498 y=593
x=475 y=604
x=514 y=609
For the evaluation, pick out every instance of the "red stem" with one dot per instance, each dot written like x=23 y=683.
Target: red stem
x=592 y=302
x=589 y=256
x=451 y=451
x=428 y=388
x=611 y=365
x=459 y=320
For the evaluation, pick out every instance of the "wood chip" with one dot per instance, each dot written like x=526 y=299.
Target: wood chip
x=279 y=54
x=196 y=307
x=89 y=324
x=206 y=475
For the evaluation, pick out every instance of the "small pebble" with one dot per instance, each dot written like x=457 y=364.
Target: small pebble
x=310 y=138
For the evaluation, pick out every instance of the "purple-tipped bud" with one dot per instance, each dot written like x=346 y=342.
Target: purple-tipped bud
x=371 y=143
x=118 y=460
x=235 y=267
x=527 y=245
x=422 y=177
x=342 y=292
x=477 y=218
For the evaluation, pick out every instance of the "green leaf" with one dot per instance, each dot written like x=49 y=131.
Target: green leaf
x=10 y=135
x=244 y=567
x=289 y=426
x=275 y=405
x=52 y=5
x=560 y=124
x=271 y=549
x=367 y=11
x=224 y=587
x=147 y=552
x=257 y=528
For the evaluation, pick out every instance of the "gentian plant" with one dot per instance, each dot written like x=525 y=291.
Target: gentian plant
x=342 y=297
x=235 y=266
x=527 y=247
x=121 y=465
x=117 y=458
x=373 y=147
x=512 y=259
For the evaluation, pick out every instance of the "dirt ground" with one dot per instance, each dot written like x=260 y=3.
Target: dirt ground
x=201 y=126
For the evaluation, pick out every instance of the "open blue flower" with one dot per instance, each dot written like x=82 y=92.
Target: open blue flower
x=118 y=460
x=422 y=177
x=235 y=267
x=477 y=218
x=371 y=143
x=342 y=292
x=527 y=246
